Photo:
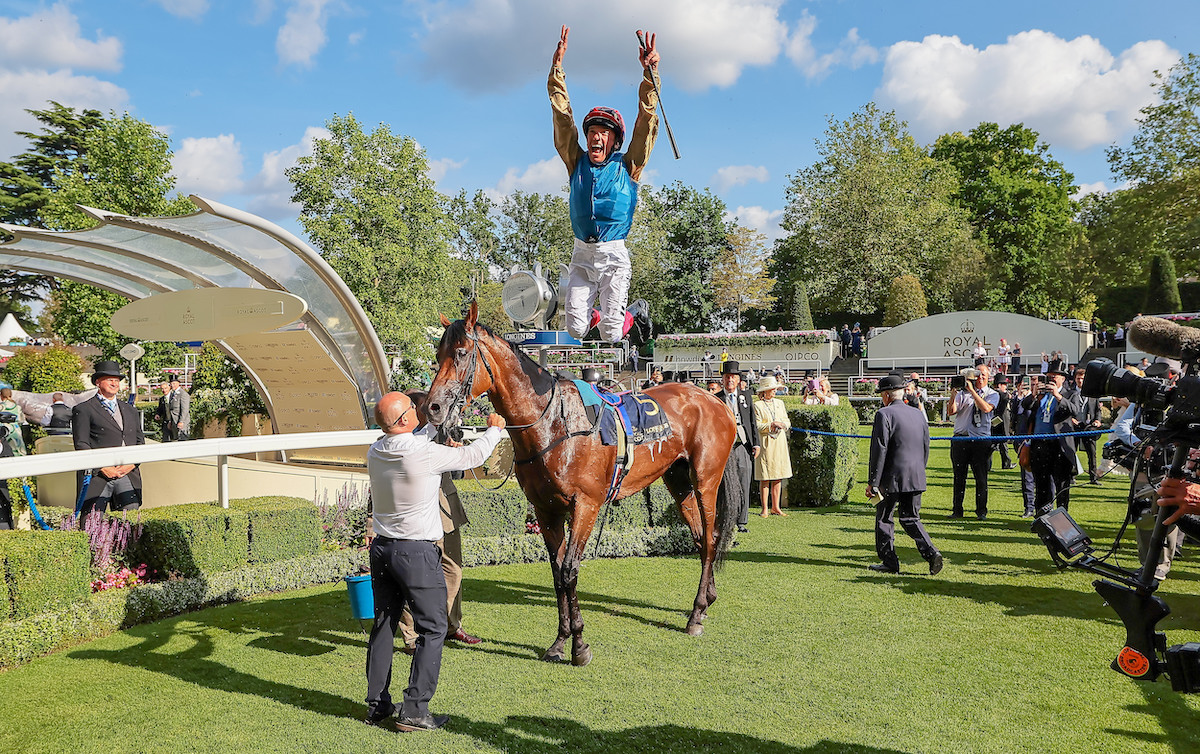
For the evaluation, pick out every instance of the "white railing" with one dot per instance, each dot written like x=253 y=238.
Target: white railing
x=714 y=367
x=879 y=362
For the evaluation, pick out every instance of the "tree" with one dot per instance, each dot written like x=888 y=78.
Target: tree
x=221 y=391
x=1018 y=198
x=476 y=241
x=1162 y=289
x=51 y=370
x=875 y=204
x=371 y=209
x=682 y=232
x=535 y=228
x=740 y=280
x=1163 y=163
x=905 y=301
x=801 y=316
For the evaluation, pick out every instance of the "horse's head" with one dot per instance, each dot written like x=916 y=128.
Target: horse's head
x=463 y=370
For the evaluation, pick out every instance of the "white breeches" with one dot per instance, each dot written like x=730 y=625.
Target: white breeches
x=598 y=267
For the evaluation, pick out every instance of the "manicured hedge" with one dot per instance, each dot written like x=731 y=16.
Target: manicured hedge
x=190 y=540
x=105 y=612
x=280 y=527
x=43 y=571
x=822 y=467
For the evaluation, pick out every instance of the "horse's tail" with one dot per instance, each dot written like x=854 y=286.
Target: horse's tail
x=727 y=511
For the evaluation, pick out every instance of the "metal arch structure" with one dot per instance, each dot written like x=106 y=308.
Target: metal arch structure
x=220 y=246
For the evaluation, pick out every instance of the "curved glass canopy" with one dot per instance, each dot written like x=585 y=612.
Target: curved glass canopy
x=220 y=246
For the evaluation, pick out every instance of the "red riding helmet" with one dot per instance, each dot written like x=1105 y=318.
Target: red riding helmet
x=609 y=118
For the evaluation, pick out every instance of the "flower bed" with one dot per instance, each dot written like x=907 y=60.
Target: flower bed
x=756 y=338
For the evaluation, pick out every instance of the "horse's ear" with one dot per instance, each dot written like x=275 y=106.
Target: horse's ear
x=472 y=314
x=445 y=322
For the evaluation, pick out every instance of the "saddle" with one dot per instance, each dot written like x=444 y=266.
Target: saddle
x=625 y=420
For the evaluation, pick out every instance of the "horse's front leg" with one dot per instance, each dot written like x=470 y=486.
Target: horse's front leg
x=554 y=534
x=582 y=520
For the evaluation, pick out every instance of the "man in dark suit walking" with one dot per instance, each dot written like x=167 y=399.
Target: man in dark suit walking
x=899 y=454
x=1050 y=411
x=739 y=469
x=105 y=422
x=1085 y=419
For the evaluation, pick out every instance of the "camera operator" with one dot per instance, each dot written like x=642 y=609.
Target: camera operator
x=971 y=408
x=915 y=395
x=1086 y=418
x=1053 y=462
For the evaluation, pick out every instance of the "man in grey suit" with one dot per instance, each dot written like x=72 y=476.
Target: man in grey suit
x=899 y=454
x=179 y=410
x=1085 y=419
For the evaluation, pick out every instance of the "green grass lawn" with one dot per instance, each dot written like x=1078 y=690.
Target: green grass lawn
x=807 y=651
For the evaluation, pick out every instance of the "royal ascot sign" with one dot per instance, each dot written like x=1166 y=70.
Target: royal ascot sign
x=953 y=336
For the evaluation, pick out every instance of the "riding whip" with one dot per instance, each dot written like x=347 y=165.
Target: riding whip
x=654 y=80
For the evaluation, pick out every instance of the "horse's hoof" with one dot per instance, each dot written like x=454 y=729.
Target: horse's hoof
x=554 y=657
x=582 y=657
x=695 y=629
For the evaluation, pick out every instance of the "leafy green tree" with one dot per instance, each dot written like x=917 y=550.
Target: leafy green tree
x=740 y=280
x=1162 y=289
x=1162 y=163
x=476 y=241
x=876 y=204
x=905 y=301
x=686 y=231
x=221 y=391
x=53 y=369
x=1018 y=197
x=535 y=228
x=371 y=209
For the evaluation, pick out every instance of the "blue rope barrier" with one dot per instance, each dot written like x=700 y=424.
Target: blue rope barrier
x=993 y=438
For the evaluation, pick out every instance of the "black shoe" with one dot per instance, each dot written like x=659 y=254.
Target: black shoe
x=742 y=528
x=375 y=715
x=1027 y=514
x=427 y=722
x=1006 y=466
x=980 y=516
x=956 y=514
x=935 y=564
x=884 y=568
x=1095 y=482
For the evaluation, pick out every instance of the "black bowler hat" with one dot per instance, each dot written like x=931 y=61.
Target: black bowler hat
x=1058 y=366
x=1001 y=379
x=106 y=369
x=731 y=367
x=892 y=381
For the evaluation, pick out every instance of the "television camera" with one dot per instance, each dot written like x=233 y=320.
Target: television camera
x=1131 y=593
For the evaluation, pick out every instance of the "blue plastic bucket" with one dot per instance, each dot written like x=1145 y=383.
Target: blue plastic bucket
x=362 y=601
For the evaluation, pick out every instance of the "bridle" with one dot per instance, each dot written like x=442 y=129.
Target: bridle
x=460 y=401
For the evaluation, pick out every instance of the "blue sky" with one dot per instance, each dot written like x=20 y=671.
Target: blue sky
x=243 y=87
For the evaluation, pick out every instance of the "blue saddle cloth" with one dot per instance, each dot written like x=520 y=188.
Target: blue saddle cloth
x=640 y=415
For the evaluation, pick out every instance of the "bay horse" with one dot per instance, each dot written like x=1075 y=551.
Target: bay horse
x=565 y=471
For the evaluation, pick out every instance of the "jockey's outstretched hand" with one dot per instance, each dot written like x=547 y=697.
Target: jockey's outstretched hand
x=647 y=56
x=561 y=51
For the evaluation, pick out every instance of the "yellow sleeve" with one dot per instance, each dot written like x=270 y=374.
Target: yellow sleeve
x=645 y=129
x=566 y=133
x=762 y=416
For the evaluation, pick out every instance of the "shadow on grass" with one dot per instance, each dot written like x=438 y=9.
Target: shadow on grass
x=555 y=735
x=1175 y=717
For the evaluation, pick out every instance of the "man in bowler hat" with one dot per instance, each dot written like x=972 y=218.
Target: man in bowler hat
x=739 y=469
x=1049 y=412
x=104 y=422
x=899 y=454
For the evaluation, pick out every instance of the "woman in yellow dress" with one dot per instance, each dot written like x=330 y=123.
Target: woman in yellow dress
x=773 y=464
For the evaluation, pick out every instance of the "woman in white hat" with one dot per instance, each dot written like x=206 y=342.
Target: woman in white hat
x=773 y=464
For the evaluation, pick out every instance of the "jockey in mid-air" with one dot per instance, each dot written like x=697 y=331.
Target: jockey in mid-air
x=604 y=184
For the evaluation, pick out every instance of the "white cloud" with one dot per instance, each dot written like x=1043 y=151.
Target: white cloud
x=51 y=38
x=489 y=45
x=271 y=189
x=852 y=52
x=739 y=175
x=439 y=168
x=765 y=221
x=209 y=166
x=1073 y=92
x=303 y=35
x=184 y=8
x=545 y=177
x=355 y=37
x=33 y=90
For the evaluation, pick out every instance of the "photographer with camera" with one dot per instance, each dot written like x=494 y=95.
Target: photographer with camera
x=1049 y=412
x=971 y=404
x=1001 y=427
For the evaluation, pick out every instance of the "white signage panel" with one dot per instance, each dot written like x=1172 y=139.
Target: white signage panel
x=207 y=314
x=953 y=336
